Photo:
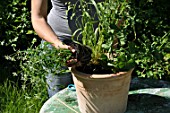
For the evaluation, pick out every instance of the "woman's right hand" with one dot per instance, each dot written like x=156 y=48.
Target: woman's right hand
x=73 y=61
x=60 y=45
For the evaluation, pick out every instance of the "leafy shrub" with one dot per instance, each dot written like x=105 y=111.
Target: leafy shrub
x=100 y=35
x=152 y=31
x=145 y=34
x=37 y=62
x=16 y=29
x=16 y=32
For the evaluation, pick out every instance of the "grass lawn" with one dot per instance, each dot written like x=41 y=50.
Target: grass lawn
x=14 y=99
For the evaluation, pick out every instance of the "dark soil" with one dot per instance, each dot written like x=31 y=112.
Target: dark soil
x=94 y=69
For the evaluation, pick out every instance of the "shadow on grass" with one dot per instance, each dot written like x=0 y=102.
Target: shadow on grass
x=148 y=103
x=149 y=96
x=143 y=83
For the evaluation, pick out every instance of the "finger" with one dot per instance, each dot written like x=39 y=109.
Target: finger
x=71 y=62
x=71 y=49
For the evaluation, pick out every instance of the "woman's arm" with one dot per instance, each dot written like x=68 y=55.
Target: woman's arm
x=40 y=25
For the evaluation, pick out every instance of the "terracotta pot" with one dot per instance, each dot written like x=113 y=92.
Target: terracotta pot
x=102 y=93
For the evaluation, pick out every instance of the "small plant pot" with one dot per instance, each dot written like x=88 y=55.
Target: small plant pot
x=56 y=83
x=102 y=93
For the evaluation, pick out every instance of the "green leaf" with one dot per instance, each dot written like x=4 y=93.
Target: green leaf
x=132 y=48
x=30 y=32
x=104 y=57
x=121 y=65
x=167 y=56
x=105 y=46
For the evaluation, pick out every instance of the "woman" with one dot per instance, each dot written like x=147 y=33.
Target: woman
x=56 y=27
x=53 y=28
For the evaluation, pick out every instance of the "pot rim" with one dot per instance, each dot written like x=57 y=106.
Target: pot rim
x=100 y=76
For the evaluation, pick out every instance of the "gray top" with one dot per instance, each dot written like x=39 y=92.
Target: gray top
x=59 y=19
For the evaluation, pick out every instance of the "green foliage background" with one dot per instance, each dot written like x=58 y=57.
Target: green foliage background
x=152 y=31
x=16 y=32
x=152 y=25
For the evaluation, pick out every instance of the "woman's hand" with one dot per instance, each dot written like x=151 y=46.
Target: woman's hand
x=81 y=55
x=60 y=45
x=72 y=62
